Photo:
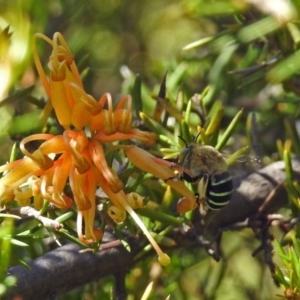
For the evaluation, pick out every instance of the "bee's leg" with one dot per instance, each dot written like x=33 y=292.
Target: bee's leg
x=163 y=162
x=174 y=178
x=171 y=165
x=201 y=197
x=198 y=200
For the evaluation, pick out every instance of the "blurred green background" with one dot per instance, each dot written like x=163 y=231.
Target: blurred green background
x=247 y=54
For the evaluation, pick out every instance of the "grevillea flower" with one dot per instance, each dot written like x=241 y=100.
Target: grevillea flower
x=77 y=156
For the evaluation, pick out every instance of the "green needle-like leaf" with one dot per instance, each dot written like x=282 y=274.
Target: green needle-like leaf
x=137 y=96
x=215 y=122
x=222 y=142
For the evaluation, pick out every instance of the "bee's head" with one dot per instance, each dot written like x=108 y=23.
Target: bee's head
x=185 y=152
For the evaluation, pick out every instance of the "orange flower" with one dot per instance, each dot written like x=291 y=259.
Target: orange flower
x=77 y=157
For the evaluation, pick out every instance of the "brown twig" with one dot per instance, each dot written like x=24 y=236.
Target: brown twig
x=31 y=212
x=66 y=268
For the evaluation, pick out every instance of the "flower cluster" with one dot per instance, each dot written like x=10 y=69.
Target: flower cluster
x=76 y=158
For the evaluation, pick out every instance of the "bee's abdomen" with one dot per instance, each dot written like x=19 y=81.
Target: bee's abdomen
x=219 y=190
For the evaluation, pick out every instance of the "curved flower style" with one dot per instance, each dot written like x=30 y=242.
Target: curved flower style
x=77 y=156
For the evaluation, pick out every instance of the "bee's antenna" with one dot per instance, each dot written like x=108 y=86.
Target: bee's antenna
x=196 y=138
x=186 y=145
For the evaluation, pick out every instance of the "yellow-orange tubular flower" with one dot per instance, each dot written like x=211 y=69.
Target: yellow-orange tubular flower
x=77 y=157
x=61 y=87
x=148 y=163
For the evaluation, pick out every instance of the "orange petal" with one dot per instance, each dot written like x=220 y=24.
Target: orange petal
x=107 y=190
x=23 y=170
x=92 y=106
x=64 y=53
x=61 y=172
x=147 y=138
x=77 y=183
x=61 y=103
x=90 y=190
x=38 y=62
x=146 y=162
x=99 y=121
x=79 y=222
x=43 y=161
x=59 y=200
x=96 y=122
x=79 y=113
x=77 y=143
x=123 y=120
x=98 y=157
x=123 y=117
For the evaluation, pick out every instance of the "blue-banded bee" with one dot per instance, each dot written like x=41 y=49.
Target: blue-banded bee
x=206 y=166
